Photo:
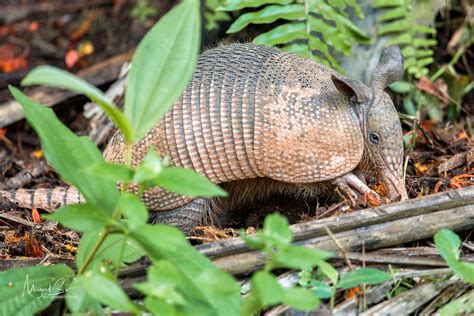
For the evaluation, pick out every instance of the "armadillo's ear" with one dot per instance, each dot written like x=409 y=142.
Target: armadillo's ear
x=351 y=88
x=389 y=69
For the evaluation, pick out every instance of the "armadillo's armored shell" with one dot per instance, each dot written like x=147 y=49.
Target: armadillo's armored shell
x=253 y=111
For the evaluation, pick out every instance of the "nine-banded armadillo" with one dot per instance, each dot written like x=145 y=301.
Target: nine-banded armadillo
x=260 y=121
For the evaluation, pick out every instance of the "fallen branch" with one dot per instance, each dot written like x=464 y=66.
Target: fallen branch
x=359 y=219
x=375 y=236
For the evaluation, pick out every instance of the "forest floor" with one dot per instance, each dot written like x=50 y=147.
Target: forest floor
x=441 y=159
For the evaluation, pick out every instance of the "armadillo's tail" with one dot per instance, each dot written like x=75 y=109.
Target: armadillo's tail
x=48 y=199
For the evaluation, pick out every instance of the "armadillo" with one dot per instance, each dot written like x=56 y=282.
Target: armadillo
x=260 y=121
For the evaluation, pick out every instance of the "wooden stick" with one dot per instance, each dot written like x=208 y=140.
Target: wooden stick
x=409 y=301
x=98 y=74
x=362 y=218
x=375 y=236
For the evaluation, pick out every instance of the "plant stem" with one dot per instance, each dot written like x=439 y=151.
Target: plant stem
x=99 y=243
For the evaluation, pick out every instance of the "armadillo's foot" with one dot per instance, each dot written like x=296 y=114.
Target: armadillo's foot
x=353 y=187
x=186 y=217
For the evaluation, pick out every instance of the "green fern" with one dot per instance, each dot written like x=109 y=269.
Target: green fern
x=315 y=29
x=399 y=20
x=212 y=16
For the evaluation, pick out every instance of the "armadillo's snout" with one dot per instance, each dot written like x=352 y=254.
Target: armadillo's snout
x=395 y=187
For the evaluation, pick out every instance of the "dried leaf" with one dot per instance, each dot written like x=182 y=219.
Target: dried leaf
x=453 y=162
x=424 y=167
x=438 y=89
x=36 y=216
x=38 y=154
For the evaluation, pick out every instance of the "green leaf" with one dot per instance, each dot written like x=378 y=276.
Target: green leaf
x=107 y=291
x=277 y=230
x=297 y=257
x=300 y=299
x=109 y=251
x=134 y=210
x=282 y=34
x=322 y=290
x=393 y=14
x=393 y=27
x=55 y=77
x=149 y=168
x=113 y=171
x=269 y=14
x=448 y=244
x=234 y=5
x=163 y=281
x=267 y=288
x=162 y=66
x=81 y=217
x=69 y=154
x=191 y=264
x=187 y=182
x=329 y=271
x=402 y=86
x=80 y=302
x=363 y=276
x=27 y=291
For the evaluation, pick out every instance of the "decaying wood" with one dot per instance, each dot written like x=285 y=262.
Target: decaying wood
x=444 y=298
x=373 y=296
x=375 y=236
x=359 y=219
x=98 y=74
x=409 y=301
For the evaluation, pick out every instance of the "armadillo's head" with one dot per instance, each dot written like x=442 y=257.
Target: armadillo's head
x=379 y=121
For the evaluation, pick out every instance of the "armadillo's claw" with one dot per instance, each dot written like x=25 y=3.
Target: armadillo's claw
x=354 y=188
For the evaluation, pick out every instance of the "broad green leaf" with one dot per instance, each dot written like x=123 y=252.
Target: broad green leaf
x=134 y=210
x=300 y=299
x=113 y=171
x=282 y=34
x=269 y=14
x=254 y=242
x=276 y=230
x=69 y=154
x=80 y=302
x=107 y=291
x=298 y=48
x=321 y=289
x=55 y=77
x=109 y=251
x=422 y=42
x=159 y=307
x=162 y=66
x=363 y=276
x=267 y=288
x=393 y=27
x=162 y=283
x=187 y=182
x=297 y=257
x=27 y=291
x=328 y=270
x=81 y=217
x=162 y=242
x=234 y=5
x=402 y=39
x=448 y=244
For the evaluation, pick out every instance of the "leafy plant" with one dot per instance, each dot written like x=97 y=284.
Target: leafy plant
x=142 y=11
x=212 y=16
x=399 y=20
x=448 y=245
x=275 y=241
x=314 y=29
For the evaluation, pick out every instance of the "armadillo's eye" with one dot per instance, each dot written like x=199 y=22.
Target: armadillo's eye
x=374 y=138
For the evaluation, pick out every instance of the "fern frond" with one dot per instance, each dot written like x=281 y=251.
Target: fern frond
x=213 y=16
x=399 y=21
x=314 y=29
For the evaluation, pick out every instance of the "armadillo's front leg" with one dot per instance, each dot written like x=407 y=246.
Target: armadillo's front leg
x=186 y=217
x=353 y=187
